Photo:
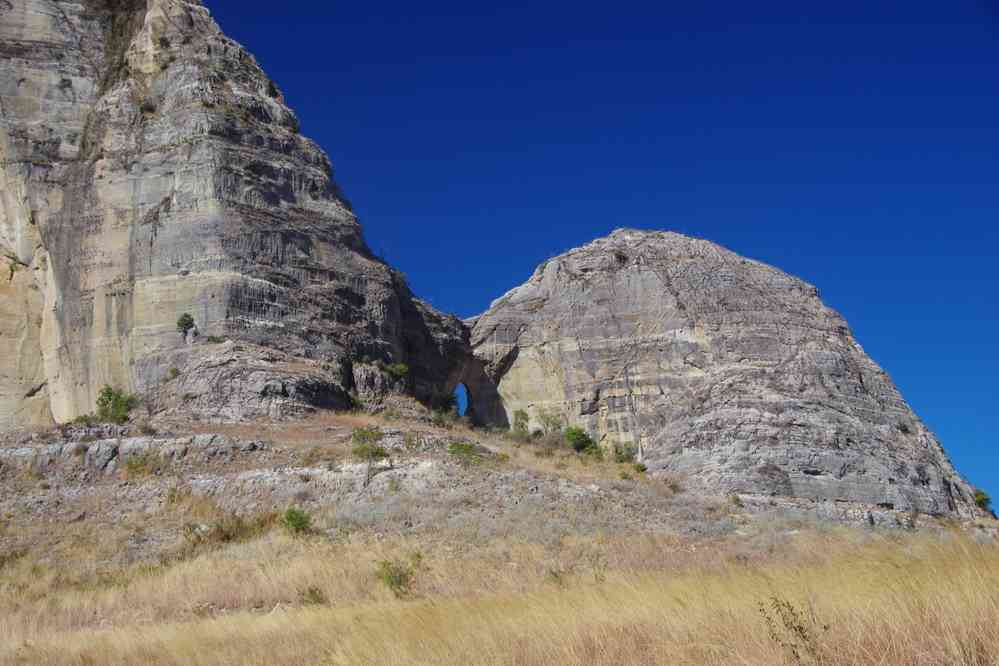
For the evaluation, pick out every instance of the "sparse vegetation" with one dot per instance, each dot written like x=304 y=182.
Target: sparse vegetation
x=551 y=421
x=466 y=453
x=145 y=463
x=399 y=575
x=624 y=453
x=367 y=448
x=983 y=500
x=602 y=602
x=798 y=634
x=172 y=374
x=228 y=529
x=216 y=339
x=520 y=430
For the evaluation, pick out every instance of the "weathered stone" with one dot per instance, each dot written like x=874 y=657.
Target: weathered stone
x=714 y=367
x=149 y=168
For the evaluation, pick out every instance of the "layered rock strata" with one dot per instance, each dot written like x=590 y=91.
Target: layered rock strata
x=713 y=367
x=149 y=168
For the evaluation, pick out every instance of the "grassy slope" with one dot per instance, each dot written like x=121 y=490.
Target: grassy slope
x=650 y=600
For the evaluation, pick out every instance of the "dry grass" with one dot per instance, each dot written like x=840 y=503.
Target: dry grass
x=912 y=599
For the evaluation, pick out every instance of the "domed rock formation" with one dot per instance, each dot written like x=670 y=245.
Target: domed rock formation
x=714 y=367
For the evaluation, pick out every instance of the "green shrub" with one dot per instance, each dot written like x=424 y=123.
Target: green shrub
x=216 y=340
x=579 y=440
x=185 y=323
x=397 y=370
x=296 y=521
x=983 y=500
x=641 y=468
x=113 y=406
x=173 y=374
x=399 y=575
x=466 y=453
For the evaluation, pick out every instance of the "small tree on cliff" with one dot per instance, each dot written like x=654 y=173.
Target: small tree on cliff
x=185 y=323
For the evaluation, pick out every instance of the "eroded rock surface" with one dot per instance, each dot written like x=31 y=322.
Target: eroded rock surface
x=714 y=367
x=149 y=168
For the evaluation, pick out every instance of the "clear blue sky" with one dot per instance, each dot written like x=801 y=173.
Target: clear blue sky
x=854 y=144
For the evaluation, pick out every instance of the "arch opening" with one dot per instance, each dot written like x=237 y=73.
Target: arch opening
x=462 y=399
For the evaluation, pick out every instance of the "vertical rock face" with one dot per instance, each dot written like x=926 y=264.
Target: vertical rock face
x=149 y=168
x=721 y=369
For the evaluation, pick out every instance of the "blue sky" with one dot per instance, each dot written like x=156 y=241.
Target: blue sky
x=855 y=145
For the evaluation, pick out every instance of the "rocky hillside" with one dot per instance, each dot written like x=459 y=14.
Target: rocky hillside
x=149 y=168
x=712 y=366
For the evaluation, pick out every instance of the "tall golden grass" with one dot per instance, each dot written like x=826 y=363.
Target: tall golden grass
x=830 y=597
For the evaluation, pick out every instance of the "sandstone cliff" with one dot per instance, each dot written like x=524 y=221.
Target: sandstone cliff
x=148 y=168
x=714 y=367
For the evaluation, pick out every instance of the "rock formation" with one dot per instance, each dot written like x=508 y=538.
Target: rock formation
x=149 y=168
x=714 y=367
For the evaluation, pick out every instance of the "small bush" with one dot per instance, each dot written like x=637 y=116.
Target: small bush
x=367 y=435
x=520 y=425
x=228 y=529
x=581 y=442
x=113 y=406
x=983 y=500
x=578 y=439
x=397 y=371
x=173 y=374
x=296 y=521
x=399 y=575
x=313 y=596
x=641 y=468
x=216 y=340
x=466 y=453
x=185 y=323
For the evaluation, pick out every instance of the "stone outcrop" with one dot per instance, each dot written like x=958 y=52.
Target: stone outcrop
x=714 y=367
x=149 y=168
